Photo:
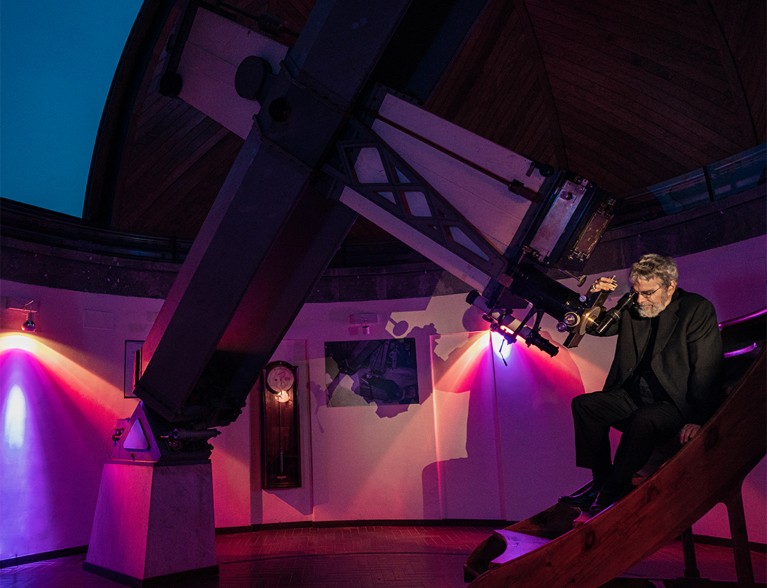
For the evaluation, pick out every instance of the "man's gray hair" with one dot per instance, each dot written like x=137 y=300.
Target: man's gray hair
x=652 y=265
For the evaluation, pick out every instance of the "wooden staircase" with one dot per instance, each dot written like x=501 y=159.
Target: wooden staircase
x=558 y=548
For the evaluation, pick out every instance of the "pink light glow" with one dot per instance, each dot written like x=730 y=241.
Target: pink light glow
x=57 y=416
x=558 y=372
x=458 y=371
x=19 y=342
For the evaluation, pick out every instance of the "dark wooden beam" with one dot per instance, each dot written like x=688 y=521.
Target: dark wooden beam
x=269 y=234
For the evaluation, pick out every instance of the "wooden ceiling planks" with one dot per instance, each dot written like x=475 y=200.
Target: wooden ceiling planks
x=496 y=88
x=648 y=100
x=176 y=159
x=741 y=26
x=641 y=89
x=627 y=94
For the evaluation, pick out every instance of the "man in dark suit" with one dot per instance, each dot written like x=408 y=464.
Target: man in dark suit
x=664 y=380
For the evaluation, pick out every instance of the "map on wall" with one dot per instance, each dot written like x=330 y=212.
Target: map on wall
x=379 y=371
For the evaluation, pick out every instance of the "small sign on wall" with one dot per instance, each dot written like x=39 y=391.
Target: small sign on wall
x=382 y=371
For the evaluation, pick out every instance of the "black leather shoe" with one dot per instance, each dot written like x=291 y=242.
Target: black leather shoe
x=605 y=499
x=583 y=498
x=598 y=506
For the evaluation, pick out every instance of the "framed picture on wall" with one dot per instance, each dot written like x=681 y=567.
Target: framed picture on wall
x=132 y=367
x=380 y=371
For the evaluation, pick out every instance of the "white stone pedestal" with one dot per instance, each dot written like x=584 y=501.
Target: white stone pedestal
x=153 y=521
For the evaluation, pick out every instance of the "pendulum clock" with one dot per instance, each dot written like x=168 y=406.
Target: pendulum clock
x=280 y=447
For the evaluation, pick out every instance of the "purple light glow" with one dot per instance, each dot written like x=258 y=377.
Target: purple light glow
x=55 y=416
x=15 y=418
x=501 y=347
x=742 y=319
x=741 y=351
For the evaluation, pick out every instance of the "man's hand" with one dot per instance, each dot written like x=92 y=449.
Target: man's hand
x=688 y=432
x=604 y=284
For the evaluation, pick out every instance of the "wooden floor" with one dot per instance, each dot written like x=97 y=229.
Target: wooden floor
x=386 y=556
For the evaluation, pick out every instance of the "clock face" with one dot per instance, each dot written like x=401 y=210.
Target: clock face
x=280 y=378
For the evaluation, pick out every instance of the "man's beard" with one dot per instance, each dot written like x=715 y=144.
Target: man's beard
x=649 y=309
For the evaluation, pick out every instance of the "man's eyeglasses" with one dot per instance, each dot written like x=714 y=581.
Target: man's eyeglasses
x=647 y=293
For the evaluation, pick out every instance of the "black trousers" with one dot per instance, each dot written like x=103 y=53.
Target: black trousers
x=643 y=428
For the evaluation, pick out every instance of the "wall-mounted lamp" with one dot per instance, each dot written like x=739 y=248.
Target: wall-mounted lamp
x=29 y=325
x=27 y=306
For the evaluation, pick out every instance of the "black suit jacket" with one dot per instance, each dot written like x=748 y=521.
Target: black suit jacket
x=687 y=358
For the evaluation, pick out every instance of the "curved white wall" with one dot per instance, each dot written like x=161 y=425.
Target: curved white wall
x=487 y=440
